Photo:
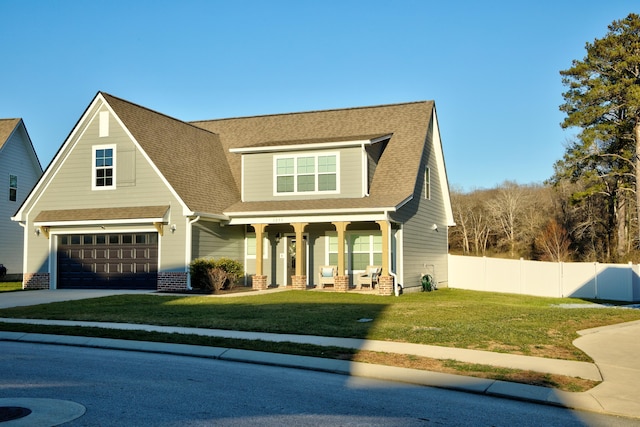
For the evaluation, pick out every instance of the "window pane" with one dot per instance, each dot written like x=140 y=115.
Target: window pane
x=333 y=244
x=326 y=164
x=13 y=195
x=101 y=239
x=306 y=183
x=377 y=259
x=13 y=181
x=284 y=167
x=360 y=243
x=306 y=165
x=285 y=184
x=377 y=243
x=333 y=259
x=87 y=240
x=127 y=238
x=251 y=245
x=326 y=182
x=360 y=261
x=114 y=239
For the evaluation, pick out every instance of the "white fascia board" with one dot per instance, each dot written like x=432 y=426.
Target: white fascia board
x=306 y=147
x=288 y=219
x=442 y=171
x=59 y=159
x=206 y=215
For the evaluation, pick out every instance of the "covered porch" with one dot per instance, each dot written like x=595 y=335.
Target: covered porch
x=295 y=253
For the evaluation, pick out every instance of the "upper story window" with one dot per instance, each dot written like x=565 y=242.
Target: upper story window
x=104 y=161
x=13 y=188
x=306 y=173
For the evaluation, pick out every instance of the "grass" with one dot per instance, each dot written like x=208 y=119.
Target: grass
x=10 y=286
x=449 y=317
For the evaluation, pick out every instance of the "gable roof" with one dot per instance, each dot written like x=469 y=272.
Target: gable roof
x=396 y=174
x=181 y=152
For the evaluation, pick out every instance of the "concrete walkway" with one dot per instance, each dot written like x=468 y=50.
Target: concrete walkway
x=613 y=349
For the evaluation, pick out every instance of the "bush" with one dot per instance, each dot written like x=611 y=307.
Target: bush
x=210 y=275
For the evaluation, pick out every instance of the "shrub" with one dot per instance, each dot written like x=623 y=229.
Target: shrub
x=212 y=276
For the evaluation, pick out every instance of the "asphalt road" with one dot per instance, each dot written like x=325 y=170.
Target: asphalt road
x=144 y=389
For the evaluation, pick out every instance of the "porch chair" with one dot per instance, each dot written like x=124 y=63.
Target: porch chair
x=327 y=275
x=369 y=277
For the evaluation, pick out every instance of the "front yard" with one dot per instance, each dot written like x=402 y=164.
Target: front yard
x=448 y=317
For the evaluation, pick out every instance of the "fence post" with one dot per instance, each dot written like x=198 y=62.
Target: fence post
x=595 y=279
x=561 y=279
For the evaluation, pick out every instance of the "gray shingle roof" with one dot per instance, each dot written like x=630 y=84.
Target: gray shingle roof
x=397 y=171
x=104 y=214
x=195 y=157
x=6 y=128
x=190 y=158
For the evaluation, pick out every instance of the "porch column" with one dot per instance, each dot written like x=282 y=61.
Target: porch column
x=385 y=281
x=259 y=281
x=299 y=281
x=342 y=280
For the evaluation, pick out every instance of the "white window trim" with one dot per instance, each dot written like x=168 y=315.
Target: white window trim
x=13 y=188
x=315 y=155
x=93 y=167
x=427 y=183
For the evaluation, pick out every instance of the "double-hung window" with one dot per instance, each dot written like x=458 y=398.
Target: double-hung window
x=364 y=248
x=104 y=162
x=13 y=188
x=306 y=173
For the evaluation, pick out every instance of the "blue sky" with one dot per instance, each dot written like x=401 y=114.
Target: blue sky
x=492 y=67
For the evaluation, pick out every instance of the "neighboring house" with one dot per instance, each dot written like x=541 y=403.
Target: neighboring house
x=133 y=196
x=20 y=169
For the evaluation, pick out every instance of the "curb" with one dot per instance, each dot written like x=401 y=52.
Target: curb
x=496 y=388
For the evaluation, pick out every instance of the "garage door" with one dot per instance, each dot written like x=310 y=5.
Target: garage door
x=108 y=261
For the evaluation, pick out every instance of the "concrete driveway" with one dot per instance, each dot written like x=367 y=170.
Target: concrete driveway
x=45 y=296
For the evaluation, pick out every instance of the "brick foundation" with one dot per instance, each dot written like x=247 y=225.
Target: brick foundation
x=341 y=284
x=36 y=281
x=259 y=282
x=172 y=281
x=385 y=285
x=299 y=283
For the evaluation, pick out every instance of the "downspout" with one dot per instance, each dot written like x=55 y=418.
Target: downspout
x=189 y=252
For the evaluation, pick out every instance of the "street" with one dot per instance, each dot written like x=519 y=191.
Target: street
x=138 y=389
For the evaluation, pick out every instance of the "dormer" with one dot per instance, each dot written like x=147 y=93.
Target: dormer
x=340 y=167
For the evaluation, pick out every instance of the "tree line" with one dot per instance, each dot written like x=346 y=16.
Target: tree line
x=589 y=210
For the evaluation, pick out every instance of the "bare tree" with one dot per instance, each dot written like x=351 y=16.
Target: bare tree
x=554 y=242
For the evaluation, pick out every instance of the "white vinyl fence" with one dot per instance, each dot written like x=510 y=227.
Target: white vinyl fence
x=617 y=282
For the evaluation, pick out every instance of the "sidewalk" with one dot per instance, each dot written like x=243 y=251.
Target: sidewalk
x=613 y=349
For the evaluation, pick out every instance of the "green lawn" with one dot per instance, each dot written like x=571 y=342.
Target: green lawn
x=447 y=317
x=10 y=286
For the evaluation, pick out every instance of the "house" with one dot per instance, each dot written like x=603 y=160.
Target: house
x=20 y=169
x=133 y=196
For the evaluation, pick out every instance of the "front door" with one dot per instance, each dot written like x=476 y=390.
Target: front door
x=291 y=259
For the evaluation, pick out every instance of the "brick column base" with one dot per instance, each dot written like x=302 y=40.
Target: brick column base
x=385 y=285
x=36 y=281
x=299 y=283
x=172 y=281
x=341 y=284
x=259 y=283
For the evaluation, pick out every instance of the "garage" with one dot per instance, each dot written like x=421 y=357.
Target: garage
x=107 y=261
